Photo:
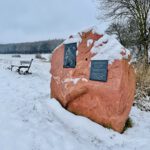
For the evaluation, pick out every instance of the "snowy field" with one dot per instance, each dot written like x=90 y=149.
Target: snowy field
x=30 y=120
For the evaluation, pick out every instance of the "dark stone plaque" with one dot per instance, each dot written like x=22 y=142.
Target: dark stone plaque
x=99 y=70
x=70 y=55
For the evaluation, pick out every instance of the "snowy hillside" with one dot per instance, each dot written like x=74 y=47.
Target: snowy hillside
x=30 y=120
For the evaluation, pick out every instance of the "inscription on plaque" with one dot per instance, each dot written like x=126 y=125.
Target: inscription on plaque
x=70 y=55
x=99 y=70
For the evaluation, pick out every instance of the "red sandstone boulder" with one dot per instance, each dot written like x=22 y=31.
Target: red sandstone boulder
x=107 y=103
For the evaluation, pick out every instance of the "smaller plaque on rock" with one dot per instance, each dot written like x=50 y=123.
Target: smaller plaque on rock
x=70 y=55
x=99 y=70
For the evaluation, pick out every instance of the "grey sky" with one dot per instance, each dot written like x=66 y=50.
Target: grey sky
x=33 y=20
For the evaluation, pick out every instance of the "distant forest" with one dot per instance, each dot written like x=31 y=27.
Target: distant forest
x=30 y=47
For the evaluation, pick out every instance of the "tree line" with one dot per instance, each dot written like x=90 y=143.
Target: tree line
x=30 y=47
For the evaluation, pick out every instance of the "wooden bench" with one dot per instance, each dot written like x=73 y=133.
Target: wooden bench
x=23 y=65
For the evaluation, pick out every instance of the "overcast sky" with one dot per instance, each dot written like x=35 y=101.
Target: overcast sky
x=33 y=20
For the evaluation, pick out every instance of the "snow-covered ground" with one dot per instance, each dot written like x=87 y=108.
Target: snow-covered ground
x=30 y=120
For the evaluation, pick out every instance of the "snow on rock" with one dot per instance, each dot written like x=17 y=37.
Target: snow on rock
x=77 y=53
x=84 y=79
x=73 y=39
x=108 y=48
x=94 y=29
x=89 y=42
x=75 y=80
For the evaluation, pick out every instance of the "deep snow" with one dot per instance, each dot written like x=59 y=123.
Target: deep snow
x=30 y=120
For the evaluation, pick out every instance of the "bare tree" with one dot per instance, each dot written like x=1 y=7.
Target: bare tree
x=136 y=10
x=117 y=29
x=126 y=33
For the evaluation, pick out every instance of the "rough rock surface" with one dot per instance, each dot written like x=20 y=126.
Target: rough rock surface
x=107 y=103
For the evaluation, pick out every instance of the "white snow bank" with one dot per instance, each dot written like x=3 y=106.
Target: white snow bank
x=30 y=120
x=103 y=138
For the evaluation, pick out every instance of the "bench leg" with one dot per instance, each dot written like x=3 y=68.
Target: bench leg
x=19 y=71
x=11 y=67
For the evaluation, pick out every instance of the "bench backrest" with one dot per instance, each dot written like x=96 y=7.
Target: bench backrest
x=30 y=64
x=24 y=62
x=27 y=62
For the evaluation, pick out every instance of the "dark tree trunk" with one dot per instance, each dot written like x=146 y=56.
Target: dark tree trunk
x=145 y=58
